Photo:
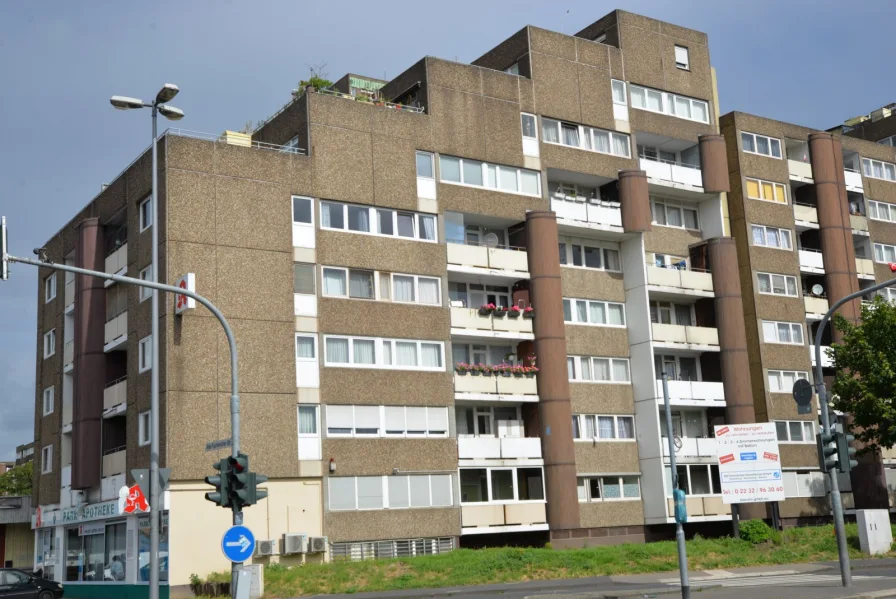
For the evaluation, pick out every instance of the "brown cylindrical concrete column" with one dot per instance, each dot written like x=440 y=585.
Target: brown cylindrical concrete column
x=554 y=406
x=714 y=163
x=733 y=358
x=635 y=201
x=89 y=360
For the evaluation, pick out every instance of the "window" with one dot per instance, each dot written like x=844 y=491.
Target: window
x=49 y=343
x=389 y=492
x=618 y=89
x=888 y=141
x=474 y=295
x=597 y=370
x=781 y=381
x=375 y=352
x=291 y=147
x=758 y=189
x=48 y=397
x=530 y=128
x=145 y=275
x=671 y=213
x=416 y=289
x=302 y=210
x=807 y=483
x=682 y=60
x=501 y=485
x=513 y=69
x=586 y=138
x=50 y=288
x=671 y=313
x=306 y=347
x=144 y=428
x=145 y=214
x=608 y=488
x=372 y=285
x=878 y=170
x=795 y=431
x=303 y=278
x=386 y=421
x=593 y=312
x=46 y=459
x=345 y=282
x=368 y=220
x=760 y=144
x=695 y=479
x=571 y=192
x=425 y=167
x=772 y=237
x=882 y=211
x=103 y=549
x=773 y=284
x=676 y=105
x=603 y=257
x=308 y=425
x=590 y=427
x=884 y=253
x=463 y=171
x=678 y=368
x=482 y=354
x=144 y=354
x=782 y=332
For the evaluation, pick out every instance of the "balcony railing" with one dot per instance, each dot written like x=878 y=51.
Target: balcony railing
x=853 y=180
x=694 y=280
x=811 y=260
x=604 y=213
x=479 y=448
x=704 y=505
x=235 y=139
x=865 y=267
x=859 y=222
x=691 y=335
x=799 y=169
x=117 y=260
x=365 y=100
x=114 y=461
x=116 y=328
x=502 y=515
x=672 y=172
x=513 y=259
x=115 y=393
x=707 y=393
x=805 y=212
x=691 y=448
x=816 y=305
x=826 y=361
x=470 y=318
x=495 y=385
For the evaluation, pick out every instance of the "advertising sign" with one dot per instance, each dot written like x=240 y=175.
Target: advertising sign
x=182 y=303
x=749 y=463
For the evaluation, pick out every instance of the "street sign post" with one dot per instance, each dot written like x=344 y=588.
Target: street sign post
x=238 y=544
x=749 y=463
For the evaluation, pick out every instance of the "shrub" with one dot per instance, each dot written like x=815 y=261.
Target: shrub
x=755 y=531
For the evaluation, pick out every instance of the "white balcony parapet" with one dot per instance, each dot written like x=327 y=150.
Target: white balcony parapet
x=806 y=213
x=68 y=353
x=826 y=361
x=117 y=260
x=691 y=448
x=69 y=292
x=115 y=393
x=469 y=321
x=110 y=485
x=853 y=180
x=507 y=448
x=116 y=331
x=698 y=393
x=494 y=259
x=488 y=517
x=670 y=173
x=114 y=462
x=800 y=170
x=604 y=214
x=493 y=386
x=690 y=282
x=858 y=222
x=811 y=261
x=865 y=268
x=709 y=506
x=816 y=307
x=689 y=335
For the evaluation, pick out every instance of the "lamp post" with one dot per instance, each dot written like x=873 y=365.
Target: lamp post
x=166 y=94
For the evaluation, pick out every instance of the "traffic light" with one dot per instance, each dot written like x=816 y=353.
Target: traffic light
x=4 y=261
x=221 y=482
x=845 y=453
x=826 y=444
x=244 y=483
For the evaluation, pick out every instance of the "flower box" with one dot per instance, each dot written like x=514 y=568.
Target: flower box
x=487 y=309
x=499 y=313
x=514 y=312
x=529 y=312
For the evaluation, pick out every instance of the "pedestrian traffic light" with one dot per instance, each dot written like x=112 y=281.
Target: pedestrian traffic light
x=826 y=444
x=221 y=482
x=845 y=453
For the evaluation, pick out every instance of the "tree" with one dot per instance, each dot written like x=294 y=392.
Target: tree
x=865 y=384
x=17 y=481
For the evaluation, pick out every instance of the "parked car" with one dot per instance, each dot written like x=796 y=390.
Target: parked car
x=22 y=585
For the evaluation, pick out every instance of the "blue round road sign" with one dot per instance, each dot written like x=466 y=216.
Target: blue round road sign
x=238 y=544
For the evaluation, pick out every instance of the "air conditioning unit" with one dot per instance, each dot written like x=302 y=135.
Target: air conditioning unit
x=295 y=543
x=317 y=545
x=268 y=547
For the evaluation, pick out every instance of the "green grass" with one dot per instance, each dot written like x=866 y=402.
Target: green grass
x=508 y=564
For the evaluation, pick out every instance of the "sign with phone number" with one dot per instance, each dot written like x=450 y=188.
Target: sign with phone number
x=749 y=463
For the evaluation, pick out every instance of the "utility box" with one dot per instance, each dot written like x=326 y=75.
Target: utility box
x=875 y=535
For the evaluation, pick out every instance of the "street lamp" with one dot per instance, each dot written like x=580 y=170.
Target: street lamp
x=166 y=94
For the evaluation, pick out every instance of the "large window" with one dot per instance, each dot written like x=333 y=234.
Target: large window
x=795 y=431
x=501 y=485
x=772 y=237
x=481 y=353
x=377 y=221
x=773 y=284
x=769 y=191
x=619 y=95
x=509 y=179
x=593 y=427
x=46 y=551
x=672 y=313
x=389 y=492
x=678 y=368
x=392 y=354
x=781 y=381
x=597 y=370
x=695 y=479
x=49 y=343
x=49 y=400
x=50 y=288
x=754 y=143
x=884 y=253
x=882 y=211
x=373 y=285
x=488 y=421
x=878 y=170
x=96 y=552
x=608 y=488
x=586 y=138
x=672 y=213
x=473 y=295
x=683 y=107
x=782 y=332
x=590 y=254
x=806 y=483
x=579 y=311
x=386 y=421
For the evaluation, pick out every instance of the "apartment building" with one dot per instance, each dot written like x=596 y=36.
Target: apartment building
x=453 y=293
x=24 y=453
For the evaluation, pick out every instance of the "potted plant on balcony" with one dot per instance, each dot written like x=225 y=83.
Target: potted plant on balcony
x=518 y=371
x=514 y=312
x=529 y=312
x=500 y=312
x=504 y=369
x=475 y=369
x=462 y=368
x=486 y=309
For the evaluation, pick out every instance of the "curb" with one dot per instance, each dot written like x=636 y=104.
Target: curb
x=666 y=590
x=874 y=595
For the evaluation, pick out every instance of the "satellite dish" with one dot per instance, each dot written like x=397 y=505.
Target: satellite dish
x=491 y=240
x=817 y=289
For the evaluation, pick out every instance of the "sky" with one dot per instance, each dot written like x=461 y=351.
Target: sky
x=810 y=62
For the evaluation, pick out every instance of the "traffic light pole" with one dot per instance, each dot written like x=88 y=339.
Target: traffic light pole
x=234 y=375
x=836 y=500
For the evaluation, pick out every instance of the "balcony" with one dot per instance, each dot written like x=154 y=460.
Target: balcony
x=800 y=171
x=515 y=514
x=468 y=321
x=115 y=393
x=474 y=258
x=116 y=331
x=806 y=214
x=706 y=505
x=68 y=353
x=493 y=448
x=671 y=173
x=853 y=180
x=826 y=361
x=66 y=414
x=117 y=261
x=494 y=388
x=694 y=393
x=674 y=280
x=811 y=261
x=816 y=307
x=114 y=461
x=858 y=222
x=691 y=448
x=698 y=338
x=602 y=214
x=865 y=268
x=69 y=293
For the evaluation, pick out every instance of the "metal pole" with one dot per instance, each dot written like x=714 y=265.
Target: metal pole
x=154 y=490
x=679 y=529
x=836 y=500
x=735 y=520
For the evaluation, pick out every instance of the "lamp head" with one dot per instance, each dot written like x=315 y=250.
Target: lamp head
x=125 y=103
x=171 y=113
x=167 y=93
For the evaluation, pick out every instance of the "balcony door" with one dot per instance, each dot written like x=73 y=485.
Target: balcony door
x=685 y=424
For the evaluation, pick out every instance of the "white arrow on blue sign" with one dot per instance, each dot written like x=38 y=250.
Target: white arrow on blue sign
x=238 y=544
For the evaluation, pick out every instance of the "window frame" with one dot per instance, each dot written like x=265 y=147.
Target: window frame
x=486 y=177
x=792 y=326
x=579 y=425
x=378 y=363
x=144 y=428
x=50 y=343
x=765 y=230
x=313 y=338
x=523 y=130
x=874 y=208
x=622 y=83
x=316 y=408
x=382 y=428
x=686 y=64
x=756 y=151
x=144 y=354
x=668 y=102
x=514 y=477
x=570 y=243
x=46 y=459
x=582 y=130
x=577 y=370
x=772 y=286
x=48 y=397
x=384 y=481
x=797 y=473
x=373 y=216
x=868 y=169
x=883 y=247
x=313 y=268
x=600 y=481
x=416 y=278
x=574 y=313
x=807 y=439
x=779 y=375
x=142 y=224
x=432 y=164
x=50 y=288
x=669 y=204
x=145 y=292
x=690 y=478
x=292 y=205
x=774 y=185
